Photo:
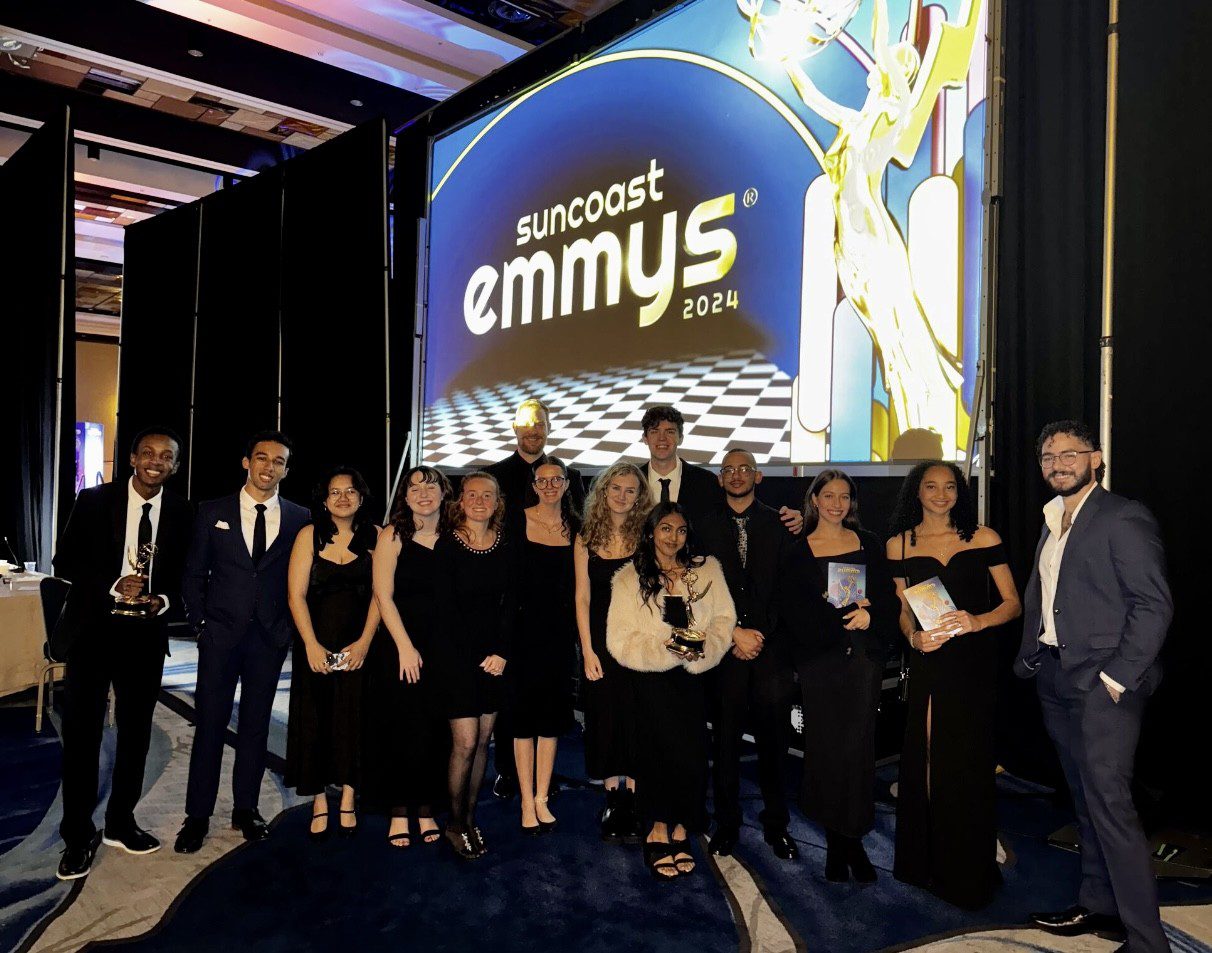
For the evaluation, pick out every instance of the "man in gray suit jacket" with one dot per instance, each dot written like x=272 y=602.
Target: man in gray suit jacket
x=1095 y=616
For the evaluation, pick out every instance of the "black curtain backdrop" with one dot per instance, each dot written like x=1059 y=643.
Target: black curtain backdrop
x=37 y=272
x=1162 y=238
x=156 y=360
x=334 y=310
x=237 y=356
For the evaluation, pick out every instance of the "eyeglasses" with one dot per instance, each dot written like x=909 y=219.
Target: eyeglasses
x=744 y=470
x=554 y=482
x=1067 y=457
x=337 y=492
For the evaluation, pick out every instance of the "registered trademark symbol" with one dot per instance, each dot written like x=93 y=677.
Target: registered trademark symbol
x=750 y=198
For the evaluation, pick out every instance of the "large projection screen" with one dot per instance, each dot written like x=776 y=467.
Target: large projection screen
x=769 y=215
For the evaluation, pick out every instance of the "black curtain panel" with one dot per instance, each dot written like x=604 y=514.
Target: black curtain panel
x=156 y=361
x=1162 y=237
x=237 y=359
x=334 y=308
x=37 y=272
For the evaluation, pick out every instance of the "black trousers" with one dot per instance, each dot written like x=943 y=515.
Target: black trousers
x=1096 y=740
x=754 y=694
x=129 y=654
x=256 y=664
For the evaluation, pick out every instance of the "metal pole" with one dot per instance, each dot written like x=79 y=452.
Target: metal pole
x=1106 y=339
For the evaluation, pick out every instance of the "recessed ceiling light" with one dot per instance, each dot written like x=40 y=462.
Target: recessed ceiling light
x=355 y=102
x=195 y=53
x=10 y=43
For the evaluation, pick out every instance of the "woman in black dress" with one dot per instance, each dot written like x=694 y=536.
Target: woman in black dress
x=407 y=733
x=668 y=585
x=478 y=602
x=946 y=824
x=544 y=646
x=614 y=515
x=839 y=640
x=329 y=591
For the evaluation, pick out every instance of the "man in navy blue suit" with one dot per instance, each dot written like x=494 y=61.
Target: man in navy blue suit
x=1096 y=613
x=234 y=590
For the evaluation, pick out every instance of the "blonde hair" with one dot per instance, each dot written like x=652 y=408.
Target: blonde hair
x=454 y=508
x=598 y=526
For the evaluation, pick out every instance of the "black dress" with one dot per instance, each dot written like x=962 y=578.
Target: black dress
x=477 y=606
x=539 y=673
x=407 y=734
x=839 y=674
x=947 y=841
x=323 y=731
x=609 y=744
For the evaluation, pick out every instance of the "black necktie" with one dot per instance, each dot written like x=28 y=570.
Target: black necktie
x=258 y=549
x=145 y=527
x=664 y=489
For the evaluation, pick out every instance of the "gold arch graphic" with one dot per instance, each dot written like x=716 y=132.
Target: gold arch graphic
x=695 y=59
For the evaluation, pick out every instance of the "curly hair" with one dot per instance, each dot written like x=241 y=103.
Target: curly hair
x=454 y=509
x=908 y=511
x=325 y=528
x=402 y=520
x=812 y=516
x=645 y=552
x=570 y=519
x=598 y=527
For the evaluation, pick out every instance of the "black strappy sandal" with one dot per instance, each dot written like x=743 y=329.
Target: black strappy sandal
x=683 y=847
x=658 y=857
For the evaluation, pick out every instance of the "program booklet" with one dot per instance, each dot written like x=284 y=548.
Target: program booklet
x=929 y=600
x=847 y=584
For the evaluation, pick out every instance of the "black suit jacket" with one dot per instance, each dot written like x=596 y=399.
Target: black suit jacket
x=224 y=591
x=754 y=586
x=90 y=556
x=1112 y=604
x=700 y=493
x=516 y=477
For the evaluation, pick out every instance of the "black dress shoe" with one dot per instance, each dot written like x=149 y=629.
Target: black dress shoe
x=192 y=834
x=77 y=860
x=1078 y=920
x=504 y=787
x=723 y=841
x=782 y=844
x=250 y=823
x=859 y=862
x=133 y=840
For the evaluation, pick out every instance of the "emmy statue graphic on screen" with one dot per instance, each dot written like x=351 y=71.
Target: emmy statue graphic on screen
x=872 y=260
x=140 y=606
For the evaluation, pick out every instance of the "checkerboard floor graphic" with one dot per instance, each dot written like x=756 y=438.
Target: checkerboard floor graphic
x=733 y=399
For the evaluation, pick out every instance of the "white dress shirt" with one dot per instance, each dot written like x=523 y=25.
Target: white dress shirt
x=134 y=513
x=674 y=477
x=1050 y=559
x=248 y=519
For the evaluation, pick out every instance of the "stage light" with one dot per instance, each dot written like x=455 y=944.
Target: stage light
x=503 y=10
x=195 y=53
x=10 y=44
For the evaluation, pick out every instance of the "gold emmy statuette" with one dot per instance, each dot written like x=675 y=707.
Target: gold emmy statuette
x=687 y=642
x=141 y=606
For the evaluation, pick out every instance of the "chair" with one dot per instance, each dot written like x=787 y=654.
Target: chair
x=53 y=592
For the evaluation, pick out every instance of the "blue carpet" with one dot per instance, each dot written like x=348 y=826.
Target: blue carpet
x=30 y=781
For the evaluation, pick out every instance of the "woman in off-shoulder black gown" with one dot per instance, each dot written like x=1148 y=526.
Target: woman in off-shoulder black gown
x=946 y=823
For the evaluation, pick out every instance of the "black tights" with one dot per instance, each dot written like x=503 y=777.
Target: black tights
x=468 y=759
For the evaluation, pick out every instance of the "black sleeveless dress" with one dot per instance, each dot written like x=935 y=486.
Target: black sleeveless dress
x=946 y=840
x=539 y=674
x=323 y=734
x=407 y=735
x=609 y=743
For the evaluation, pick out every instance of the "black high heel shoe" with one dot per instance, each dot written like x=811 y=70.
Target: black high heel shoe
x=462 y=844
x=317 y=836
x=545 y=826
x=859 y=862
x=351 y=829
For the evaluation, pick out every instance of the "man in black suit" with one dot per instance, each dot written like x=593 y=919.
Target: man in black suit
x=108 y=524
x=515 y=474
x=1096 y=612
x=753 y=684
x=235 y=598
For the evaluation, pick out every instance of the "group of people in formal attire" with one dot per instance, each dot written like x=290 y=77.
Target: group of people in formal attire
x=680 y=600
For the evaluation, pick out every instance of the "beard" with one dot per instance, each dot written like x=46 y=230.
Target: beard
x=737 y=495
x=1081 y=479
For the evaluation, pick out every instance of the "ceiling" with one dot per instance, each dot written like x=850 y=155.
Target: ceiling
x=169 y=97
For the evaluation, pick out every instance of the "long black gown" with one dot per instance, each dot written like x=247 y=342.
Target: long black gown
x=609 y=741
x=407 y=735
x=946 y=840
x=539 y=674
x=323 y=733
x=477 y=606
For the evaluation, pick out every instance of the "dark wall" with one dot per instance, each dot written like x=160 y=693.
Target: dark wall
x=37 y=275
